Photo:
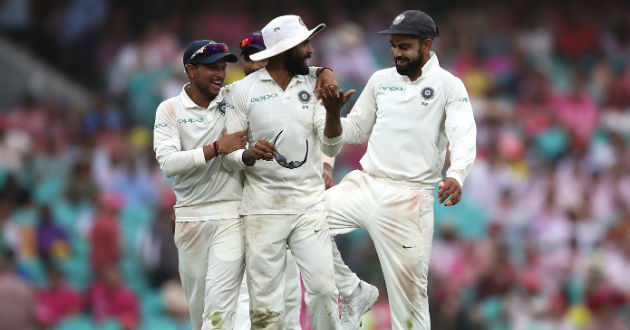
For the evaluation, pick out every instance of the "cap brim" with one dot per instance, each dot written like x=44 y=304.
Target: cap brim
x=209 y=59
x=252 y=46
x=398 y=31
x=286 y=44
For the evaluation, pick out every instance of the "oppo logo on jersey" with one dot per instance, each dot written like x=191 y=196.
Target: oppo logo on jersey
x=264 y=97
x=391 y=89
x=190 y=120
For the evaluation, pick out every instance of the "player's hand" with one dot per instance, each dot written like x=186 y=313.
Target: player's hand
x=232 y=142
x=449 y=187
x=327 y=175
x=326 y=77
x=333 y=101
x=263 y=150
x=173 y=222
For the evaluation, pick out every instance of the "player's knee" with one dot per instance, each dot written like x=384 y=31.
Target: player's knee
x=321 y=287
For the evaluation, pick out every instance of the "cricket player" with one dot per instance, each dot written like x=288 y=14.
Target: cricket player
x=188 y=140
x=251 y=44
x=283 y=197
x=410 y=113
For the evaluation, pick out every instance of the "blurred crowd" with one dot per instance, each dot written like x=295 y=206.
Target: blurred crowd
x=541 y=239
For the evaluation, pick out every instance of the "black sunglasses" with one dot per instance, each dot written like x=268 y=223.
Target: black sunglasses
x=280 y=159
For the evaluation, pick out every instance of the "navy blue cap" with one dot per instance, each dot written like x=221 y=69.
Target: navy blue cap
x=413 y=22
x=253 y=41
x=207 y=52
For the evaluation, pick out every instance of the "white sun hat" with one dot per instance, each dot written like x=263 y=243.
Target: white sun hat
x=283 y=33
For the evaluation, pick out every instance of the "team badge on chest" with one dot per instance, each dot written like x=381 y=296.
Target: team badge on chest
x=304 y=96
x=427 y=93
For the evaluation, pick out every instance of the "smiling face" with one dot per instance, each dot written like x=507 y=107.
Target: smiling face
x=207 y=78
x=410 y=53
x=295 y=58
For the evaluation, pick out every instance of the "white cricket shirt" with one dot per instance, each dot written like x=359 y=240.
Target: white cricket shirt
x=204 y=191
x=409 y=124
x=264 y=110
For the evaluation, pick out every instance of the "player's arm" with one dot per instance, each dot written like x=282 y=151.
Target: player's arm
x=324 y=76
x=236 y=121
x=327 y=171
x=327 y=124
x=461 y=132
x=167 y=145
x=357 y=126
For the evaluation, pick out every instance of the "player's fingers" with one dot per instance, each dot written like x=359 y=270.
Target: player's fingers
x=239 y=133
x=346 y=97
x=441 y=190
x=445 y=196
x=261 y=154
x=267 y=144
x=224 y=132
x=264 y=148
x=457 y=195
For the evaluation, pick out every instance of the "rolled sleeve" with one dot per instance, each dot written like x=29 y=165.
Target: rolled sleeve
x=332 y=146
x=233 y=161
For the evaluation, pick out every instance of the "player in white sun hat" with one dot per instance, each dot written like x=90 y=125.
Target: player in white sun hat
x=283 y=196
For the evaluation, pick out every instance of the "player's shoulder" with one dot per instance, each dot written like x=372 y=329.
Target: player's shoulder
x=239 y=85
x=170 y=105
x=448 y=78
x=387 y=73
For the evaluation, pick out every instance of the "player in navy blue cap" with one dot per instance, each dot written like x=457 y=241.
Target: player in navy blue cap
x=205 y=64
x=411 y=115
x=188 y=143
x=252 y=43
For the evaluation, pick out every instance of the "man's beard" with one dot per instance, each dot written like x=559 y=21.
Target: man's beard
x=295 y=64
x=413 y=65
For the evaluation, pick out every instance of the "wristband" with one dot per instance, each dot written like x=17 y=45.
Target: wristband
x=217 y=148
x=321 y=69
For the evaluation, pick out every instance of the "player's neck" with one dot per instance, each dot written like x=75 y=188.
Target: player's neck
x=415 y=75
x=279 y=73
x=197 y=96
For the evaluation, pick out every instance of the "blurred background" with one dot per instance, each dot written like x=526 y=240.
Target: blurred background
x=541 y=239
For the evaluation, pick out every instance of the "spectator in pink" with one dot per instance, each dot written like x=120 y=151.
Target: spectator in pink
x=56 y=301
x=577 y=111
x=107 y=298
x=105 y=236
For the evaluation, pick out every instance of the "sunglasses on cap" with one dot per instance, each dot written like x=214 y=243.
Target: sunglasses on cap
x=210 y=49
x=253 y=39
x=282 y=161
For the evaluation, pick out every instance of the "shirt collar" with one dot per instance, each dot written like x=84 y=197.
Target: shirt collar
x=427 y=69
x=189 y=104
x=264 y=75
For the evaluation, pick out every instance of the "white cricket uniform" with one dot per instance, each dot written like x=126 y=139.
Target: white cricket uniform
x=208 y=231
x=409 y=124
x=280 y=205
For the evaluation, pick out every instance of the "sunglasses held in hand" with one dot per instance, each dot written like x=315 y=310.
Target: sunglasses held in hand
x=280 y=159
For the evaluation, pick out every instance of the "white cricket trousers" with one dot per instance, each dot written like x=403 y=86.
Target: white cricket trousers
x=292 y=299
x=398 y=215
x=308 y=238
x=211 y=266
